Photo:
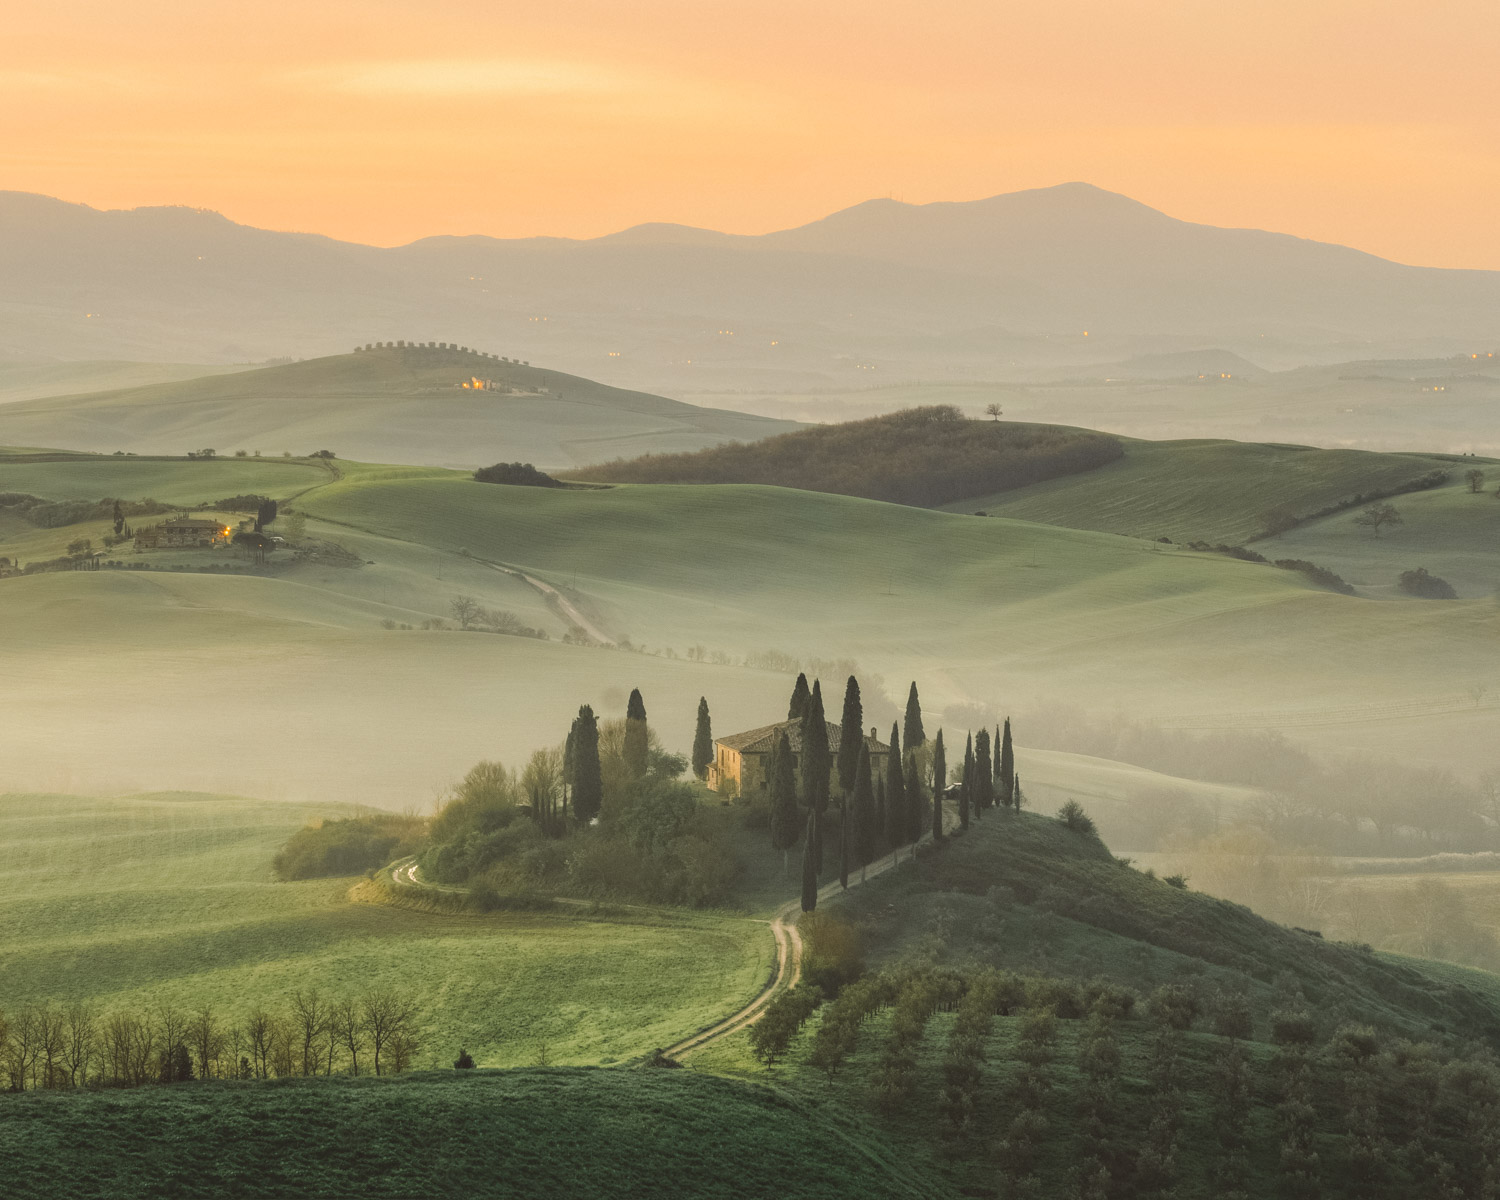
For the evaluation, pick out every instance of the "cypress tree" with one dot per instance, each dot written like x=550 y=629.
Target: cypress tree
x=809 y=867
x=911 y=730
x=588 y=782
x=863 y=813
x=568 y=764
x=984 y=775
x=844 y=844
x=635 y=734
x=1000 y=800
x=851 y=734
x=1007 y=769
x=119 y=519
x=782 y=782
x=817 y=757
x=939 y=782
x=877 y=830
x=966 y=788
x=916 y=813
x=897 y=823
x=800 y=696
x=1016 y=797
x=703 y=741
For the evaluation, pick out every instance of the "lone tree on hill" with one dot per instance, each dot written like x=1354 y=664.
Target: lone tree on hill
x=984 y=777
x=939 y=782
x=636 y=739
x=851 y=736
x=862 y=813
x=800 y=698
x=1006 y=767
x=817 y=757
x=465 y=610
x=1474 y=476
x=911 y=729
x=994 y=411
x=1378 y=515
x=897 y=822
x=783 y=787
x=588 y=780
x=809 y=865
x=703 y=741
x=966 y=785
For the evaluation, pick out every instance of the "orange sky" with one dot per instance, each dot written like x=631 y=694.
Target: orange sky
x=1375 y=124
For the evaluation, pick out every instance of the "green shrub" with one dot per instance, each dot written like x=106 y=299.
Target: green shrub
x=350 y=846
x=1072 y=815
x=834 y=953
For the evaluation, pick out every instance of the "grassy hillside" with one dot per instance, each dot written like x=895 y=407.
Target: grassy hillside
x=298 y=691
x=63 y=476
x=920 y=456
x=1212 y=491
x=134 y=901
x=538 y=1134
x=1450 y=531
x=385 y=405
x=980 y=610
x=1052 y=907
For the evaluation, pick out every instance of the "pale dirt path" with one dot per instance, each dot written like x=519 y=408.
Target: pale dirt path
x=569 y=609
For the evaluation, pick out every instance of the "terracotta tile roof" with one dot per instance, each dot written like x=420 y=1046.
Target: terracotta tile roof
x=760 y=741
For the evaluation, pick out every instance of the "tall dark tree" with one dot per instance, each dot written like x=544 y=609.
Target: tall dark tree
x=265 y=514
x=999 y=799
x=877 y=829
x=916 y=800
x=863 y=815
x=588 y=781
x=781 y=779
x=809 y=864
x=966 y=787
x=800 y=696
x=851 y=735
x=703 y=741
x=1017 y=797
x=568 y=764
x=637 y=741
x=817 y=756
x=119 y=518
x=984 y=774
x=844 y=844
x=1007 y=771
x=897 y=821
x=939 y=783
x=911 y=730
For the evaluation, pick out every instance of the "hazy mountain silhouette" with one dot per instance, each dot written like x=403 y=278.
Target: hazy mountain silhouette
x=945 y=290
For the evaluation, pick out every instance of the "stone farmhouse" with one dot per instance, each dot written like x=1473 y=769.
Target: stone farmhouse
x=740 y=759
x=182 y=531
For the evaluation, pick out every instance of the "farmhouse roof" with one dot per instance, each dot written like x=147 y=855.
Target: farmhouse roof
x=761 y=741
x=191 y=523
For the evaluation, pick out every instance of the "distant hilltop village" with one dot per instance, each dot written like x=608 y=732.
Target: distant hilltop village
x=473 y=383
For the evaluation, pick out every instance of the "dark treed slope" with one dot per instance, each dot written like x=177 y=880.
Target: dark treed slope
x=406 y=405
x=1063 y=902
x=923 y=456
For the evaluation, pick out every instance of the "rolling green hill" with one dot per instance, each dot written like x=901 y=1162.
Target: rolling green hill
x=1211 y=491
x=542 y=1134
x=391 y=405
x=130 y=902
x=1452 y=532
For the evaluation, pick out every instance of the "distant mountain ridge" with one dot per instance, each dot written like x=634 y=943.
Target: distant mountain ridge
x=944 y=290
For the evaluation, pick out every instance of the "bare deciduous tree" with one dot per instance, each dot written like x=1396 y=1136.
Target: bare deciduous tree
x=464 y=609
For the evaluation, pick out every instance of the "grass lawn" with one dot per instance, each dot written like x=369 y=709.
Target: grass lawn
x=538 y=1134
x=137 y=900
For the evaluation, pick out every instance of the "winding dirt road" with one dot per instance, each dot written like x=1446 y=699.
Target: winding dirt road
x=568 y=608
x=787 y=973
